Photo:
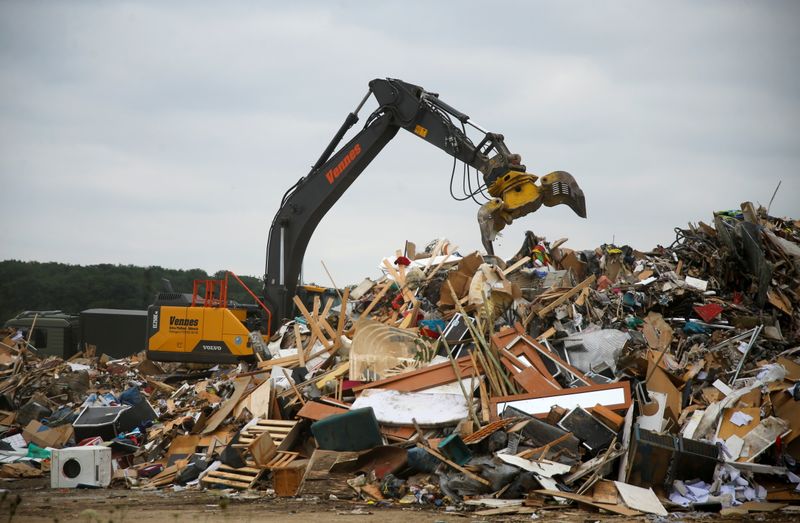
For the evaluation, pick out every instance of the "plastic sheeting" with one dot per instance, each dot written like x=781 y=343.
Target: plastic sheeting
x=595 y=349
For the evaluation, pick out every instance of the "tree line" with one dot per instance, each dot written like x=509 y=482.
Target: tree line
x=29 y=285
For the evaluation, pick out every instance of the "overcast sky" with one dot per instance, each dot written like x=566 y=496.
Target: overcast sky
x=165 y=133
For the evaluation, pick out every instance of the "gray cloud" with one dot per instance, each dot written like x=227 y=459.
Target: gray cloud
x=138 y=132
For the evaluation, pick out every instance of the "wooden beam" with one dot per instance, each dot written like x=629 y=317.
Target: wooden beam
x=376 y=299
x=298 y=341
x=312 y=323
x=343 y=312
x=517 y=265
x=567 y=295
x=454 y=465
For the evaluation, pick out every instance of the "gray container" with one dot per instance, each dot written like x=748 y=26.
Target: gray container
x=55 y=333
x=116 y=332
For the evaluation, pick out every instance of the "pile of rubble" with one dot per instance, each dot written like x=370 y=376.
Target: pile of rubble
x=623 y=381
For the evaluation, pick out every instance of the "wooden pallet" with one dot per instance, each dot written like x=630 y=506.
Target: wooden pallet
x=241 y=478
x=278 y=430
x=282 y=459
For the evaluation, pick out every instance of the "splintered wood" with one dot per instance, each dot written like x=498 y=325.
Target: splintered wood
x=318 y=325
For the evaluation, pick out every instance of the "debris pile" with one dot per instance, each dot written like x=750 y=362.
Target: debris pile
x=618 y=380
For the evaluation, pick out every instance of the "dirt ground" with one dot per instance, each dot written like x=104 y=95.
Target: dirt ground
x=30 y=501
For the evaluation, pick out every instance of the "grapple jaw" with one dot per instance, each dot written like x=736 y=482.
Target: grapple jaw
x=560 y=187
x=516 y=194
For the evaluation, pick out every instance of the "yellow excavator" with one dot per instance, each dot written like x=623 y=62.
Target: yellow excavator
x=510 y=191
x=205 y=326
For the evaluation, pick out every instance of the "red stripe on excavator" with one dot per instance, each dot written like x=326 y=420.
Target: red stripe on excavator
x=334 y=173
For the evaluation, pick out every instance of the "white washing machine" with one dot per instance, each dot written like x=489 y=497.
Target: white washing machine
x=75 y=466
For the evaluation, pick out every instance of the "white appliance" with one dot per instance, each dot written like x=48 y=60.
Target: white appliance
x=75 y=466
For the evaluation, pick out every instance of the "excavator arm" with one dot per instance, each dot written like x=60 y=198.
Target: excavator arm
x=407 y=106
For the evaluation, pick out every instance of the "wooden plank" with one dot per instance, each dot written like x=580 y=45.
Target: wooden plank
x=421 y=379
x=608 y=416
x=534 y=375
x=255 y=433
x=242 y=478
x=343 y=312
x=276 y=423
x=298 y=342
x=226 y=482
x=376 y=299
x=567 y=295
x=446 y=258
x=243 y=470
x=411 y=316
x=312 y=323
x=455 y=465
x=245 y=478
x=434 y=253
x=337 y=341
x=397 y=433
x=399 y=276
x=327 y=310
x=274 y=431
x=257 y=402
x=247 y=439
x=547 y=334
x=488 y=430
x=604 y=491
x=286 y=361
x=532 y=380
x=586 y=500
x=341 y=370
x=283 y=432
x=239 y=386
x=552 y=356
x=315 y=312
x=517 y=265
x=294 y=387
x=521 y=346
x=282 y=459
x=263 y=449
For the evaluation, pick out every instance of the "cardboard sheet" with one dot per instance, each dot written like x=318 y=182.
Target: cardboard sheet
x=638 y=498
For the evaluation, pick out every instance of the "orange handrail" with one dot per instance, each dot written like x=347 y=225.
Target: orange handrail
x=245 y=287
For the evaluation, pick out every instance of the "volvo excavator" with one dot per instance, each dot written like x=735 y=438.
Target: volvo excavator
x=512 y=193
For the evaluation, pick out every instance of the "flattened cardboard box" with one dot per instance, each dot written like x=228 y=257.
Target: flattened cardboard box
x=56 y=437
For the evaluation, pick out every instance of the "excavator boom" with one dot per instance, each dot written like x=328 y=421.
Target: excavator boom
x=402 y=105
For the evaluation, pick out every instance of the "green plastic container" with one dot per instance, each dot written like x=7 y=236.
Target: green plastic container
x=454 y=448
x=348 y=432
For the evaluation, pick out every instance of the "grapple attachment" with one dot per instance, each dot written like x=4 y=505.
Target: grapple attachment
x=516 y=194
x=560 y=187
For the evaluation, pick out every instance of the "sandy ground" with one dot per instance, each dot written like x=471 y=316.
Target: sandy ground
x=33 y=501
